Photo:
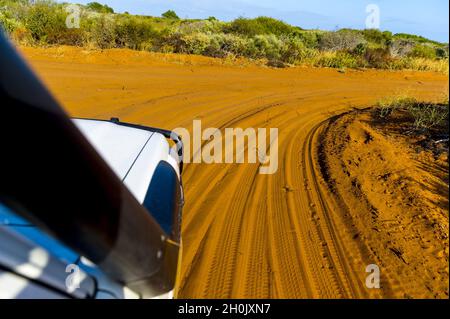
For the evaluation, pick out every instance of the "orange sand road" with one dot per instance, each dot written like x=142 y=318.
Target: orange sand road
x=244 y=234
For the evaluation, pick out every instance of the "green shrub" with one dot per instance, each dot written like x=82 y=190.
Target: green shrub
x=205 y=26
x=67 y=36
x=360 y=49
x=170 y=14
x=45 y=21
x=195 y=43
x=215 y=47
x=265 y=46
x=423 y=51
x=415 y=38
x=133 y=33
x=442 y=52
x=378 y=37
x=274 y=26
x=8 y=24
x=259 y=26
x=378 y=57
x=287 y=50
x=309 y=38
x=294 y=51
x=100 y=8
x=102 y=32
x=245 y=27
x=235 y=45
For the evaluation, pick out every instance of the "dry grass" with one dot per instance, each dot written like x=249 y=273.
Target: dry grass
x=421 y=64
x=425 y=115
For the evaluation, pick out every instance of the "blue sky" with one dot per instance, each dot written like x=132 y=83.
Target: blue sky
x=428 y=18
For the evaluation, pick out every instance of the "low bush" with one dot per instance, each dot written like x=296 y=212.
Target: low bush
x=100 y=8
x=415 y=38
x=276 y=27
x=260 y=26
x=265 y=46
x=423 y=51
x=340 y=40
x=442 y=52
x=102 y=32
x=223 y=45
x=234 y=45
x=170 y=14
x=336 y=59
x=376 y=36
x=205 y=26
x=194 y=43
x=296 y=52
x=378 y=57
x=45 y=21
x=9 y=24
x=133 y=33
x=309 y=38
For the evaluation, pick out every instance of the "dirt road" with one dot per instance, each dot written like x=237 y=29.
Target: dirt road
x=245 y=234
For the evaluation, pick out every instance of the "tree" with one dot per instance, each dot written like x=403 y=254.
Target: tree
x=98 y=7
x=170 y=14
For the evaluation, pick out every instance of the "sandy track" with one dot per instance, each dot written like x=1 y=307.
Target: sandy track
x=394 y=198
x=245 y=234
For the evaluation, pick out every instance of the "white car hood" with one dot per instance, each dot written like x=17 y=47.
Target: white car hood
x=133 y=154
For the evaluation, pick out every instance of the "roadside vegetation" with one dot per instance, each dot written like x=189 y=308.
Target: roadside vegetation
x=429 y=122
x=280 y=44
x=425 y=115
